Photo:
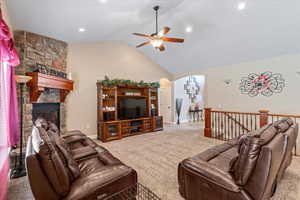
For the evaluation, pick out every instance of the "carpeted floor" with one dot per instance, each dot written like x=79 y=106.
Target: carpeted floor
x=155 y=156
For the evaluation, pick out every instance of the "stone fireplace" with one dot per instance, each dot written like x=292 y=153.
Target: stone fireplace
x=37 y=50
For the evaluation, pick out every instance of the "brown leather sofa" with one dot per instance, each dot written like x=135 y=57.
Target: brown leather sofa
x=246 y=168
x=72 y=167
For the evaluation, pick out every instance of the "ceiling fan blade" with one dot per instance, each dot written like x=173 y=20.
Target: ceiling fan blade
x=173 y=40
x=161 y=47
x=140 y=45
x=142 y=35
x=163 y=32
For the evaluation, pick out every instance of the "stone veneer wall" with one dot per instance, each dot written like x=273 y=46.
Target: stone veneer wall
x=37 y=49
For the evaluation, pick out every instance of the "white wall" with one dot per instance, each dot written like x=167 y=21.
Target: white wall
x=179 y=92
x=91 y=62
x=229 y=97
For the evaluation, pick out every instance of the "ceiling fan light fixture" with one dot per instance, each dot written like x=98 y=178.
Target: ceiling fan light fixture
x=241 y=6
x=157 y=39
x=156 y=43
x=188 y=29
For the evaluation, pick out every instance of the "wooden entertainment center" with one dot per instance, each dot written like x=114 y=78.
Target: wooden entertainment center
x=111 y=122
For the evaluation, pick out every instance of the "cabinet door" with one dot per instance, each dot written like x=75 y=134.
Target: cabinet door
x=112 y=131
x=157 y=123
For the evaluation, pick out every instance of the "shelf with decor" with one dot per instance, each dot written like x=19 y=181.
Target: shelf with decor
x=126 y=109
x=107 y=103
x=154 y=102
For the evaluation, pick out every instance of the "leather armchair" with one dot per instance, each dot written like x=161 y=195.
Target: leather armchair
x=73 y=167
x=248 y=167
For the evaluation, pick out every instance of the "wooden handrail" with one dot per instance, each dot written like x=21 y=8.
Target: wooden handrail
x=253 y=113
x=284 y=115
x=231 y=112
x=237 y=122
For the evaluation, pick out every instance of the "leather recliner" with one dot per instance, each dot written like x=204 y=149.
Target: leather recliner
x=246 y=168
x=72 y=167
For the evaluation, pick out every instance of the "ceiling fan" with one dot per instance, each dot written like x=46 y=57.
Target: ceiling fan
x=158 y=38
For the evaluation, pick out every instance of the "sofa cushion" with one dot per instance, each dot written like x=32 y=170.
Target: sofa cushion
x=69 y=160
x=89 y=166
x=63 y=152
x=53 y=165
x=266 y=133
x=243 y=165
x=290 y=121
x=108 y=159
x=241 y=140
x=283 y=125
x=83 y=152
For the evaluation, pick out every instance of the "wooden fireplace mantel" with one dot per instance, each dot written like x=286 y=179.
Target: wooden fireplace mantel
x=40 y=81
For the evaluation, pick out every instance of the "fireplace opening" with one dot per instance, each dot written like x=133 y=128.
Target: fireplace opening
x=48 y=111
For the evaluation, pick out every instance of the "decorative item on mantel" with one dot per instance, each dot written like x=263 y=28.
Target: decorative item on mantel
x=124 y=82
x=45 y=70
x=266 y=84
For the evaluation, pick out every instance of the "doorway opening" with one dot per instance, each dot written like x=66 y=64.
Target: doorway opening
x=189 y=99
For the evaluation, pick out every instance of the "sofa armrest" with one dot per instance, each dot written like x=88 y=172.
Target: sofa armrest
x=211 y=174
x=102 y=183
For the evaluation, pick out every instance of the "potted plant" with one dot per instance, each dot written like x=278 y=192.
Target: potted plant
x=127 y=83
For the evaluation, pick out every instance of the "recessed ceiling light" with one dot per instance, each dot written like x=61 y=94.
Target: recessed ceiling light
x=81 y=30
x=188 y=29
x=102 y=1
x=241 y=6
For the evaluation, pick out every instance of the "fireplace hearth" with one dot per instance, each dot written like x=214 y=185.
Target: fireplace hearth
x=48 y=111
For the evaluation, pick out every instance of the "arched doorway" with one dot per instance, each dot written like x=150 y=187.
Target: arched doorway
x=191 y=90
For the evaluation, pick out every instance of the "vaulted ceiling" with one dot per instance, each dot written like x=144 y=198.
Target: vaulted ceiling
x=221 y=33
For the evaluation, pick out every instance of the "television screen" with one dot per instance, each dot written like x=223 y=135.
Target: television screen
x=132 y=108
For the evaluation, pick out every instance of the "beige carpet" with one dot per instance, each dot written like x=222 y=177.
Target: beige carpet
x=155 y=156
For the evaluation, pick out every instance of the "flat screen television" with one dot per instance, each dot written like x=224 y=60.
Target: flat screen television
x=132 y=108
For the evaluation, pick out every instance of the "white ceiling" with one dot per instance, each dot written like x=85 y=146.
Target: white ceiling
x=221 y=35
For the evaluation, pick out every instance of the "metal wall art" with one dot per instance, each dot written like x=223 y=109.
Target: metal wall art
x=192 y=87
x=265 y=84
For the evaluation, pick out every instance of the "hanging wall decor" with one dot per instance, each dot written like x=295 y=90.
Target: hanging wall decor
x=192 y=87
x=265 y=84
